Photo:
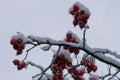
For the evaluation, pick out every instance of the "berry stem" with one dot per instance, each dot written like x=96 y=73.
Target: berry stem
x=84 y=39
x=28 y=52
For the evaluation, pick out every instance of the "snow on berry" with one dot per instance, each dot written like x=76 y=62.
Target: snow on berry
x=66 y=54
x=18 y=43
x=80 y=13
x=71 y=37
x=81 y=7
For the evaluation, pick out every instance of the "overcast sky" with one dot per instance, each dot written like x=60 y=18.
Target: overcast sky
x=50 y=18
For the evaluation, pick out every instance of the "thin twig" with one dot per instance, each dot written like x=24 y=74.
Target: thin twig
x=114 y=74
x=66 y=75
x=43 y=72
x=84 y=39
x=77 y=59
x=28 y=52
x=36 y=75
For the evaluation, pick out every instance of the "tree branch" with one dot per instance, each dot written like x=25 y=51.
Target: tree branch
x=87 y=49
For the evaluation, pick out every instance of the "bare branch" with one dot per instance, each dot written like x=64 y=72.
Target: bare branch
x=114 y=74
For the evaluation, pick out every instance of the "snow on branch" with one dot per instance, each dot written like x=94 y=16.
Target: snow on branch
x=87 y=49
x=95 y=52
x=106 y=51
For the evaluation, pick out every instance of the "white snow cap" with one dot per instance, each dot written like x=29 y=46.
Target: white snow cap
x=46 y=48
x=65 y=53
x=82 y=7
x=74 y=35
x=21 y=36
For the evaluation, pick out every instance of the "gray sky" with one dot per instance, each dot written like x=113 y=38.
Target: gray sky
x=50 y=18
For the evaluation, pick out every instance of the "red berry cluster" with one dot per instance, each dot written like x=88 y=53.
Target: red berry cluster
x=80 y=16
x=76 y=73
x=70 y=38
x=60 y=63
x=18 y=45
x=20 y=65
x=89 y=65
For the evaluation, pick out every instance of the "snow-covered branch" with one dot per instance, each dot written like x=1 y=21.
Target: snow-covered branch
x=87 y=49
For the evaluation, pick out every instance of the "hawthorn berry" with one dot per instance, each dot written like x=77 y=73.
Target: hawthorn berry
x=22 y=46
x=82 y=62
x=19 y=67
x=70 y=70
x=76 y=14
x=75 y=72
x=89 y=69
x=75 y=76
x=73 y=39
x=81 y=24
x=54 y=71
x=76 y=7
x=19 y=52
x=16 y=46
x=79 y=18
x=65 y=47
x=55 y=77
x=23 y=64
x=13 y=41
x=94 y=68
x=80 y=78
x=76 y=51
x=75 y=22
x=90 y=65
x=62 y=56
x=60 y=77
x=81 y=72
x=72 y=12
x=19 y=41
x=71 y=49
x=16 y=62
x=54 y=66
x=82 y=12
x=69 y=64
x=86 y=16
